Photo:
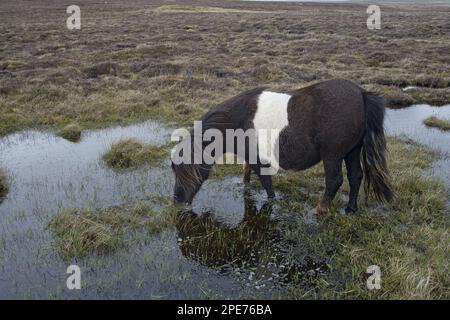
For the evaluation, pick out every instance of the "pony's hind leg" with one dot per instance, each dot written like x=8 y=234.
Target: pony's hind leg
x=266 y=180
x=246 y=169
x=333 y=181
x=354 y=176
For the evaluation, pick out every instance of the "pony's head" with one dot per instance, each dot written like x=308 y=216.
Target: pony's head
x=189 y=176
x=188 y=180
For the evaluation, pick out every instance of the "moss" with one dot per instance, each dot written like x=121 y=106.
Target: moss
x=71 y=132
x=131 y=153
x=437 y=123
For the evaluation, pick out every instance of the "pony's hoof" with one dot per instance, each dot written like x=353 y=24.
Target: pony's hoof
x=350 y=210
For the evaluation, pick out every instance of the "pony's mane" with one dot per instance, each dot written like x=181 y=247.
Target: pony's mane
x=188 y=176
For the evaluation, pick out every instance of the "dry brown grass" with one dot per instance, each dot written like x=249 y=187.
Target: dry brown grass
x=117 y=69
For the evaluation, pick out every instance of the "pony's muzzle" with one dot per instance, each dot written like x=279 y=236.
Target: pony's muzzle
x=179 y=201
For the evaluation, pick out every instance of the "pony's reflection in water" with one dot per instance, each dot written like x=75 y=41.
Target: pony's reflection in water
x=256 y=246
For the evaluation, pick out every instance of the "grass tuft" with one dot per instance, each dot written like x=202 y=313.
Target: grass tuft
x=437 y=123
x=130 y=153
x=71 y=132
x=102 y=230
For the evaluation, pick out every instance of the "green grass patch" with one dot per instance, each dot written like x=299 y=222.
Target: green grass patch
x=130 y=153
x=103 y=230
x=437 y=123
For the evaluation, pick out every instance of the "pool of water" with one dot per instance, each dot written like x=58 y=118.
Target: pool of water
x=47 y=173
x=192 y=260
x=408 y=122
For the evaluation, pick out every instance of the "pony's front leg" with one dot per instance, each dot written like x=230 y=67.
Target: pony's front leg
x=246 y=169
x=266 y=180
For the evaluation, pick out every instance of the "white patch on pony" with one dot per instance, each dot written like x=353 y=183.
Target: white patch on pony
x=271 y=116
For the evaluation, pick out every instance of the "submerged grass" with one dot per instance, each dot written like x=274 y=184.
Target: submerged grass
x=437 y=123
x=102 y=230
x=3 y=184
x=130 y=153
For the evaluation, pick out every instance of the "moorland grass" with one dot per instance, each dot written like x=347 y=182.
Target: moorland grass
x=130 y=153
x=147 y=77
x=435 y=122
x=200 y=9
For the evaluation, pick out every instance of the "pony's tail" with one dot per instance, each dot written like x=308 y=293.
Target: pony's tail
x=374 y=149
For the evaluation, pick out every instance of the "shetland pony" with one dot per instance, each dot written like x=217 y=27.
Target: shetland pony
x=334 y=121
